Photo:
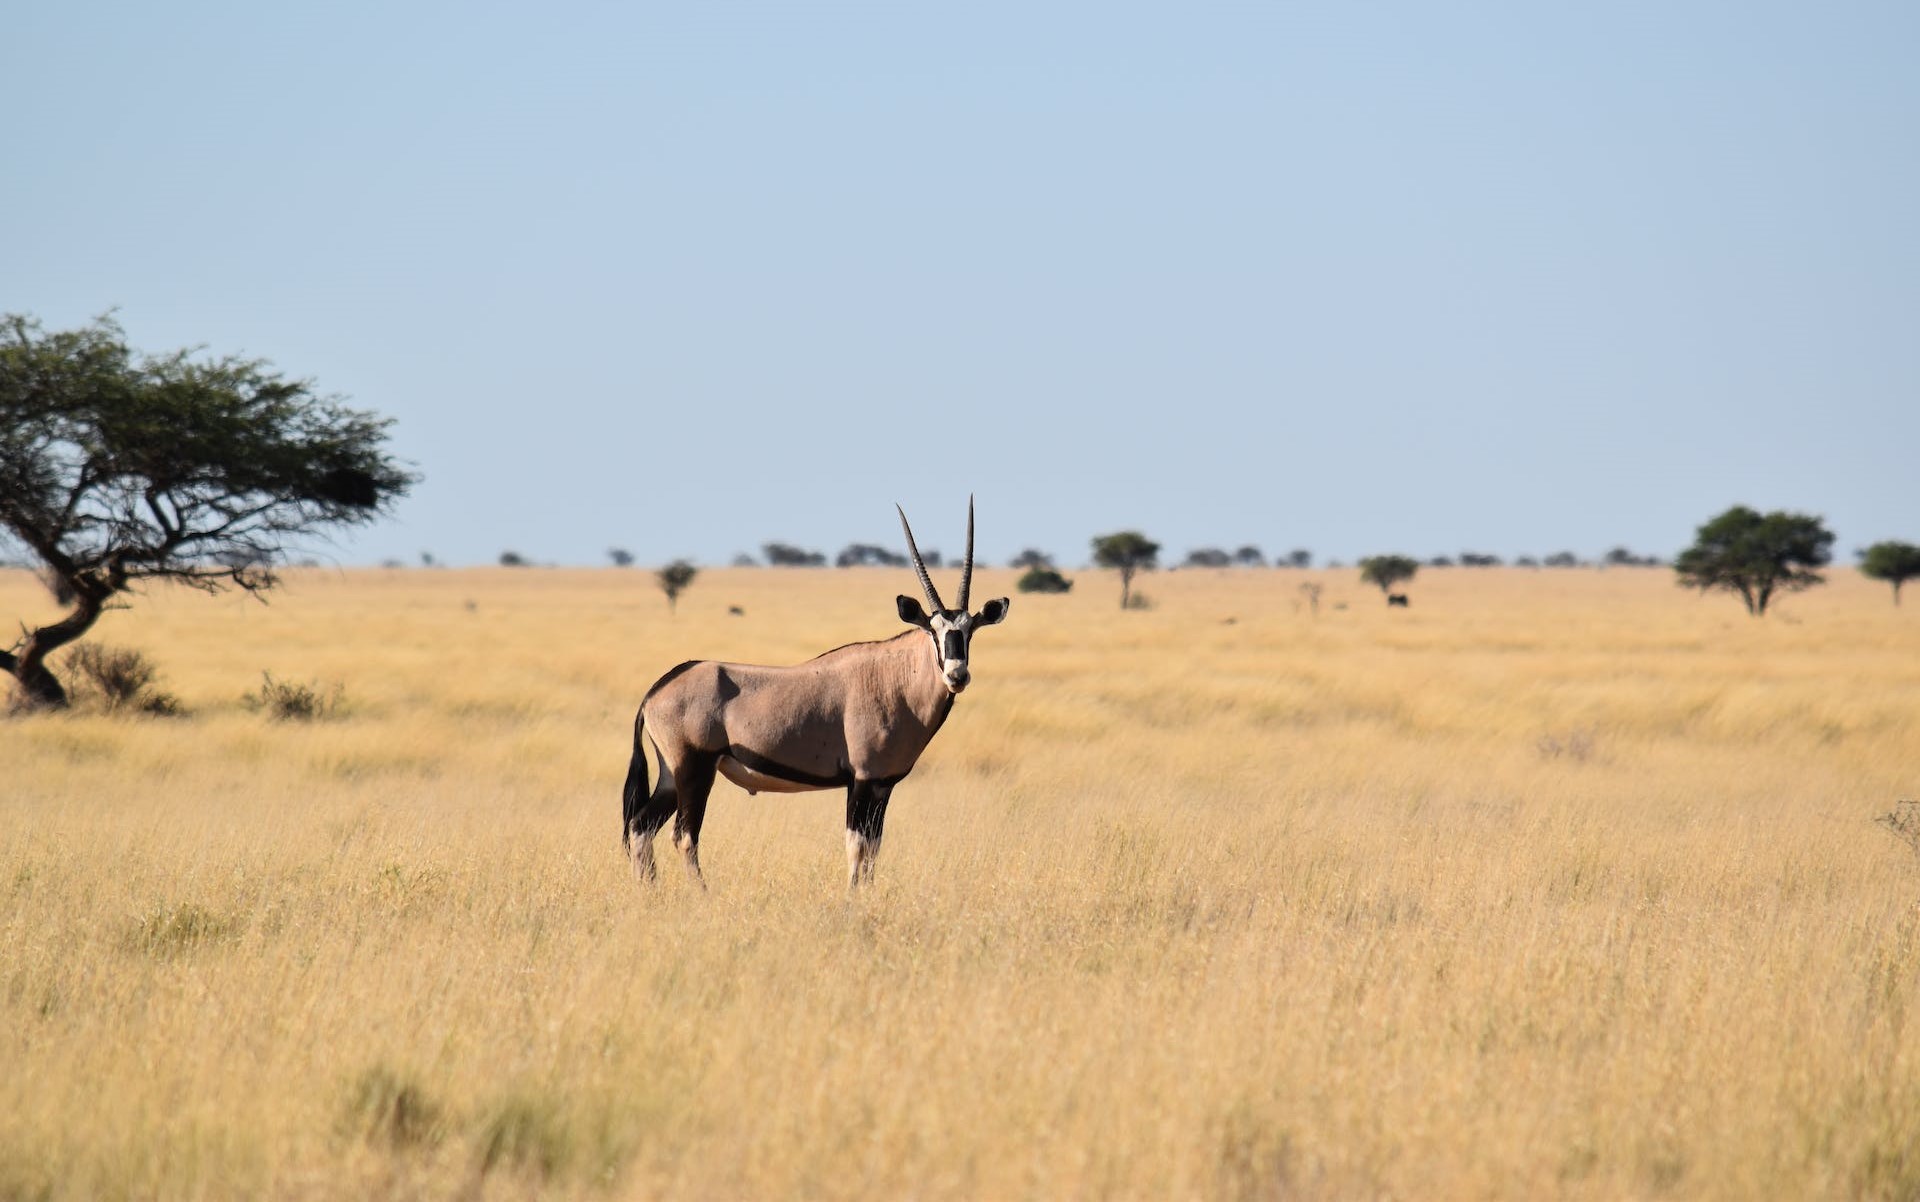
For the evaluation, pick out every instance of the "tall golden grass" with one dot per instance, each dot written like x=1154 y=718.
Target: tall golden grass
x=1557 y=884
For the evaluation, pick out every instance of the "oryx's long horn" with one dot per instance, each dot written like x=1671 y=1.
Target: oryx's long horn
x=919 y=565
x=966 y=570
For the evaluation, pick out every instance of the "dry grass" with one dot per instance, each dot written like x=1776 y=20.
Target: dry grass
x=1559 y=884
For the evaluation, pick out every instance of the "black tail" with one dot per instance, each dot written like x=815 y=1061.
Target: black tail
x=634 y=796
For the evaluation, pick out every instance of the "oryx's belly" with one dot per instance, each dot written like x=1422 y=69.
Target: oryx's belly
x=764 y=781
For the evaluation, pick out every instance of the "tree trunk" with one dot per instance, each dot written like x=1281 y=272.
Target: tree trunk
x=39 y=688
x=27 y=662
x=1126 y=586
x=1896 y=593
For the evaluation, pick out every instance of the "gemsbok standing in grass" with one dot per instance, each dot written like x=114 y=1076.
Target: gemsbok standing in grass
x=856 y=718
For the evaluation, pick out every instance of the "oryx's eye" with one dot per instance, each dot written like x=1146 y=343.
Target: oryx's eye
x=956 y=645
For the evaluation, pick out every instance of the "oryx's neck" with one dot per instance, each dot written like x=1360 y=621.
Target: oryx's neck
x=910 y=669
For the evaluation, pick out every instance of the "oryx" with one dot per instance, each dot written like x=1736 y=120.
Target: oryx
x=856 y=718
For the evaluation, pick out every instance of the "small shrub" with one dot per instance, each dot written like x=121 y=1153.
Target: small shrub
x=121 y=678
x=1138 y=601
x=384 y=1107
x=292 y=701
x=1904 y=821
x=1043 y=580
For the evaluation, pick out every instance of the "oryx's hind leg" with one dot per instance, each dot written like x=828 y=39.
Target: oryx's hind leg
x=866 y=823
x=695 y=782
x=653 y=815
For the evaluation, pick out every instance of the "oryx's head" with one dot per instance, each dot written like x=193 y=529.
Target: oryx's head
x=952 y=629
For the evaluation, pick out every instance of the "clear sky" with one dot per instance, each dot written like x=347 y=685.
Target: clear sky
x=683 y=278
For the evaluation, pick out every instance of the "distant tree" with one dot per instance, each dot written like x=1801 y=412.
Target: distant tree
x=1300 y=557
x=118 y=468
x=1475 y=559
x=1043 y=580
x=781 y=555
x=1208 y=557
x=1385 y=571
x=1621 y=557
x=621 y=557
x=674 y=579
x=1562 y=559
x=744 y=560
x=1030 y=558
x=427 y=560
x=1756 y=555
x=1250 y=556
x=1128 y=551
x=512 y=559
x=860 y=555
x=1440 y=561
x=1895 y=563
x=1526 y=561
x=1310 y=589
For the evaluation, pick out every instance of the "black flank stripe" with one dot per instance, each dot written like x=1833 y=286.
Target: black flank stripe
x=767 y=767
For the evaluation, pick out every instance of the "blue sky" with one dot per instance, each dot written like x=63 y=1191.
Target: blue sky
x=686 y=278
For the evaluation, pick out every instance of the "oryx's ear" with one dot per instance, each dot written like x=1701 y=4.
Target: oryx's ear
x=911 y=613
x=993 y=611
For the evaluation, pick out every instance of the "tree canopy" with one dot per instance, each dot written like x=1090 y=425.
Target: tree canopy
x=674 y=579
x=118 y=467
x=1128 y=551
x=1388 y=570
x=1895 y=563
x=1756 y=555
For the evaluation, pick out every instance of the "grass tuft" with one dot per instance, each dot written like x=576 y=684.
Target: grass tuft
x=527 y=1133
x=391 y=1109
x=169 y=930
x=294 y=701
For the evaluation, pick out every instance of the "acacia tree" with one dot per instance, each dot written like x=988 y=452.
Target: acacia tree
x=118 y=467
x=1895 y=563
x=1756 y=555
x=674 y=578
x=1128 y=551
x=1388 y=570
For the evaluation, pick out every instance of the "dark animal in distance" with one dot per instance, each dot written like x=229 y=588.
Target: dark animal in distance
x=1399 y=599
x=856 y=718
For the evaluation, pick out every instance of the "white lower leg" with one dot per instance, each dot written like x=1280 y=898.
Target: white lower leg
x=691 y=850
x=860 y=851
x=640 y=847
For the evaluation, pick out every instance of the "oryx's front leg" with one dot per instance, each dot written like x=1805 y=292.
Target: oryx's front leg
x=866 y=823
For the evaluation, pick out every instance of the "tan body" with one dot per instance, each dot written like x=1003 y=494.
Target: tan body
x=855 y=718
x=861 y=712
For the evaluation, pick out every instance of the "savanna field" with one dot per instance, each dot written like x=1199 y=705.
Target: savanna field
x=1558 y=884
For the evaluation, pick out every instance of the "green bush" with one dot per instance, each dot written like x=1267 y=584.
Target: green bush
x=1043 y=580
